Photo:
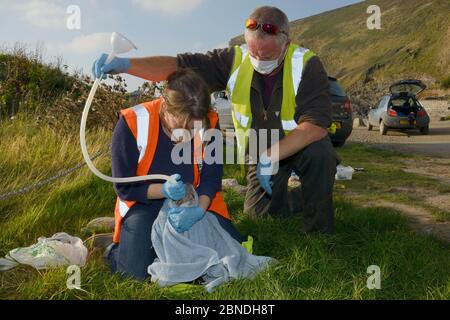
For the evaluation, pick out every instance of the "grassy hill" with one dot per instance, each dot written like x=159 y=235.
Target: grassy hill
x=414 y=41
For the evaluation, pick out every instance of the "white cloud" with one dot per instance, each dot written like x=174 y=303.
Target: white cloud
x=169 y=7
x=85 y=44
x=41 y=13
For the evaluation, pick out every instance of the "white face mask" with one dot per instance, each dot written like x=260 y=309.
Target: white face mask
x=265 y=67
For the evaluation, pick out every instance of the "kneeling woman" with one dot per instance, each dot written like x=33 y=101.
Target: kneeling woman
x=142 y=145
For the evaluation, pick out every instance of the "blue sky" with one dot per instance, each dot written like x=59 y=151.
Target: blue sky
x=157 y=27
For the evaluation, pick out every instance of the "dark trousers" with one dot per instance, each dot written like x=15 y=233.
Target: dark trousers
x=316 y=167
x=134 y=253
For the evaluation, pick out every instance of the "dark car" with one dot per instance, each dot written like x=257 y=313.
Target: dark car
x=342 y=112
x=401 y=109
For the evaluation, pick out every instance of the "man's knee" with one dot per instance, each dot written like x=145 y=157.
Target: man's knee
x=321 y=153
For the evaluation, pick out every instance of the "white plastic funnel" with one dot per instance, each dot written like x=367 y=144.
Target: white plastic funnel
x=120 y=45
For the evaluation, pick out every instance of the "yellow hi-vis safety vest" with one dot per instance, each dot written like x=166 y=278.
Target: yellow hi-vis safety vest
x=239 y=86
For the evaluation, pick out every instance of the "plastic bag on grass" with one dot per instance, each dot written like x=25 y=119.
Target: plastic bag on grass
x=59 y=250
x=344 y=173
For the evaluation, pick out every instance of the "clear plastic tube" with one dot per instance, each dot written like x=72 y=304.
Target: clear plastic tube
x=86 y=154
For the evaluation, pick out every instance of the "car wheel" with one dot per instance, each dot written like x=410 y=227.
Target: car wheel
x=338 y=144
x=383 y=128
x=425 y=130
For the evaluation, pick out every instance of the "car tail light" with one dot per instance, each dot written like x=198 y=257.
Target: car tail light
x=392 y=113
x=348 y=106
x=421 y=114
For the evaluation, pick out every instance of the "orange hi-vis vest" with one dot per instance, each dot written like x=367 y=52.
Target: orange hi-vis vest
x=143 y=121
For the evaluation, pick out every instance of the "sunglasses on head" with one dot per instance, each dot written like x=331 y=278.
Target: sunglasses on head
x=268 y=28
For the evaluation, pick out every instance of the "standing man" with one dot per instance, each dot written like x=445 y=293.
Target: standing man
x=276 y=85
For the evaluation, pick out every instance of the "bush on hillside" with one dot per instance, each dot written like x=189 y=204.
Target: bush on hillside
x=446 y=83
x=25 y=81
x=52 y=96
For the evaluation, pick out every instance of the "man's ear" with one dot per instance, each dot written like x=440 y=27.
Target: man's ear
x=288 y=43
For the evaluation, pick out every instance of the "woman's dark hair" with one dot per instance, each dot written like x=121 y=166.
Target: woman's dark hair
x=187 y=95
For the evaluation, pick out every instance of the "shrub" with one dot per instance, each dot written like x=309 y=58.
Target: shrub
x=48 y=93
x=446 y=83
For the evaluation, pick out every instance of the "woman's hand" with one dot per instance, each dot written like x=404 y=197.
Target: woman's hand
x=182 y=218
x=175 y=191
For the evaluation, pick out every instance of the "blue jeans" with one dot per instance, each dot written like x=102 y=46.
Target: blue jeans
x=132 y=256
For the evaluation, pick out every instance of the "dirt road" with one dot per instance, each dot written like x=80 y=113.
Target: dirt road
x=436 y=143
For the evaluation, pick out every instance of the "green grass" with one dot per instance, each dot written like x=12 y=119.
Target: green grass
x=310 y=267
x=384 y=178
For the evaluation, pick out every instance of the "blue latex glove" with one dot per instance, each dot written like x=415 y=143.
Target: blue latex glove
x=175 y=191
x=182 y=219
x=117 y=65
x=264 y=173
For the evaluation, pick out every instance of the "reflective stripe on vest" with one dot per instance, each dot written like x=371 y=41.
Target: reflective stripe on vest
x=143 y=121
x=239 y=86
x=289 y=125
x=123 y=208
x=240 y=55
x=142 y=117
